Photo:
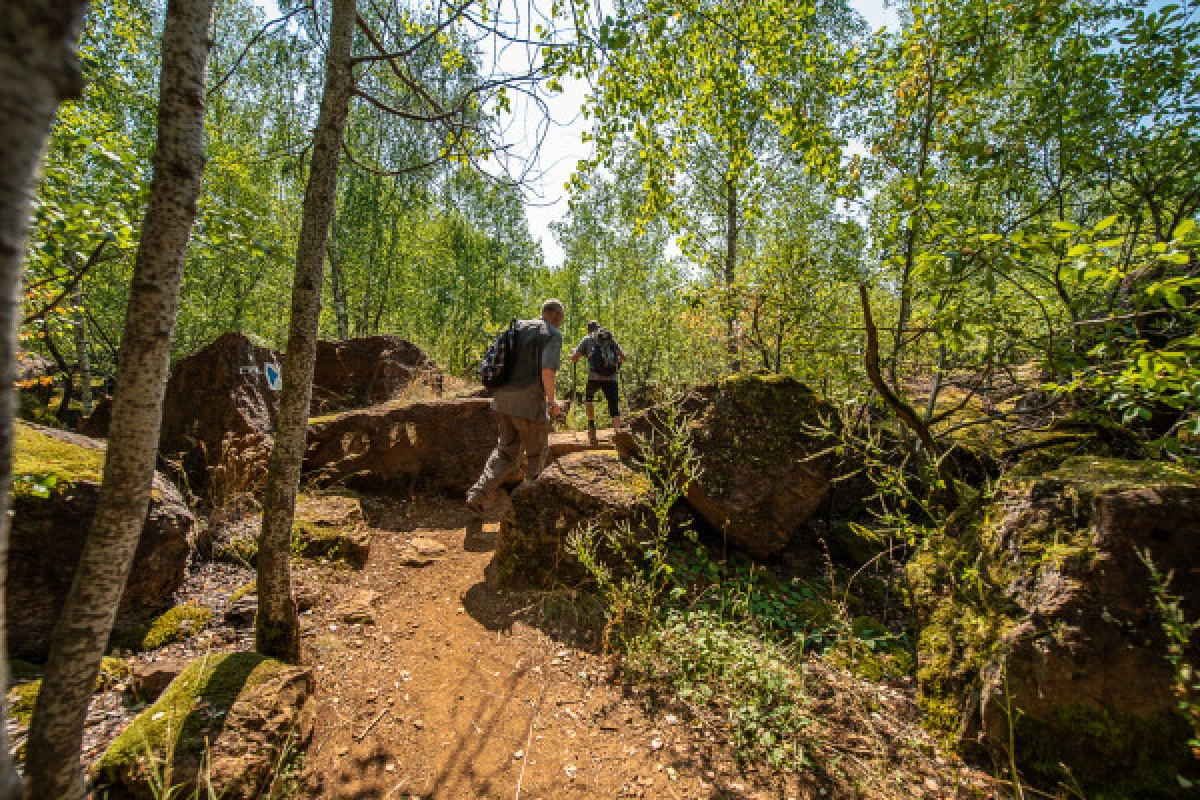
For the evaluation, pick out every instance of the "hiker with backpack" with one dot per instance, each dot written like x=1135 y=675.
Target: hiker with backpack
x=605 y=358
x=521 y=367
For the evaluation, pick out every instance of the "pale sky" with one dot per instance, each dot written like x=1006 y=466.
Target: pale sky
x=562 y=147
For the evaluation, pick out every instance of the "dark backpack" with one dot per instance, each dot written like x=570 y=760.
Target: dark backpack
x=498 y=362
x=605 y=358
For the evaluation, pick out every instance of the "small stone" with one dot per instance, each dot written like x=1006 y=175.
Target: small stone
x=656 y=744
x=343 y=751
x=390 y=768
x=570 y=769
x=519 y=755
x=419 y=724
x=671 y=719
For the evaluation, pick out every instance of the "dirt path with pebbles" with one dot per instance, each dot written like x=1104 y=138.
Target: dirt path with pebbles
x=453 y=692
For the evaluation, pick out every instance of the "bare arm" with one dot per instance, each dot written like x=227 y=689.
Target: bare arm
x=548 y=378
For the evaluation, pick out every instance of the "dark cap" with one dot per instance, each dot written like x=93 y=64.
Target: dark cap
x=593 y=326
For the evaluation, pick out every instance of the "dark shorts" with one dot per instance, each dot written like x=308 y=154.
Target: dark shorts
x=609 y=388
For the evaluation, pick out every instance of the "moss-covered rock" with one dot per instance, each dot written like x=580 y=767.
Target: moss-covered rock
x=331 y=527
x=594 y=488
x=1036 y=619
x=764 y=446
x=58 y=488
x=47 y=463
x=174 y=625
x=235 y=712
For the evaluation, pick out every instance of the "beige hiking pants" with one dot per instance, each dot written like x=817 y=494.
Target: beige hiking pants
x=517 y=434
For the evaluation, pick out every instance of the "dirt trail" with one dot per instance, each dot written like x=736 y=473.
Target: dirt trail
x=453 y=692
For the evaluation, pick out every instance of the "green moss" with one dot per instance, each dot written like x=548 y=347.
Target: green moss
x=23 y=696
x=180 y=719
x=174 y=625
x=112 y=672
x=242 y=549
x=1100 y=474
x=21 y=700
x=243 y=591
x=44 y=464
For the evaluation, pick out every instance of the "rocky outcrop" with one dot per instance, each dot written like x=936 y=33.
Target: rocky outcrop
x=219 y=406
x=369 y=371
x=237 y=712
x=1037 y=618
x=594 y=488
x=55 y=496
x=763 y=447
x=437 y=446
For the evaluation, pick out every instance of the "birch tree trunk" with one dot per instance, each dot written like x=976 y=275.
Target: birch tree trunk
x=277 y=629
x=79 y=639
x=39 y=68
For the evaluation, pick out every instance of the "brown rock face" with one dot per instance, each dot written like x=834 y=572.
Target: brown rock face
x=368 y=371
x=48 y=534
x=1070 y=637
x=757 y=441
x=580 y=488
x=438 y=446
x=218 y=404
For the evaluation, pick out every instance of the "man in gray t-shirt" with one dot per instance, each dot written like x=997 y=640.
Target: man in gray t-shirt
x=598 y=381
x=525 y=404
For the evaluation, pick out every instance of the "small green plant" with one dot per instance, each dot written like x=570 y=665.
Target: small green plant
x=1179 y=632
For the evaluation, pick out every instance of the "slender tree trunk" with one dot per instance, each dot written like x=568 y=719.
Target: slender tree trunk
x=39 y=68
x=277 y=631
x=81 y=355
x=731 y=256
x=79 y=639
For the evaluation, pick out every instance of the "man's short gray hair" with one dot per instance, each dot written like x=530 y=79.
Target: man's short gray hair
x=553 y=306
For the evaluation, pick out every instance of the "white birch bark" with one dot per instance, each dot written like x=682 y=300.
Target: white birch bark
x=80 y=637
x=277 y=630
x=39 y=68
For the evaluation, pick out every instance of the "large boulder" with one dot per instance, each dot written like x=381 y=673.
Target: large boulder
x=230 y=720
x=440 y=445
x=369 y=371
x=54 y=498
x=587 y=488
x=220 y=405
x=1038 y=624
x=764 y=448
